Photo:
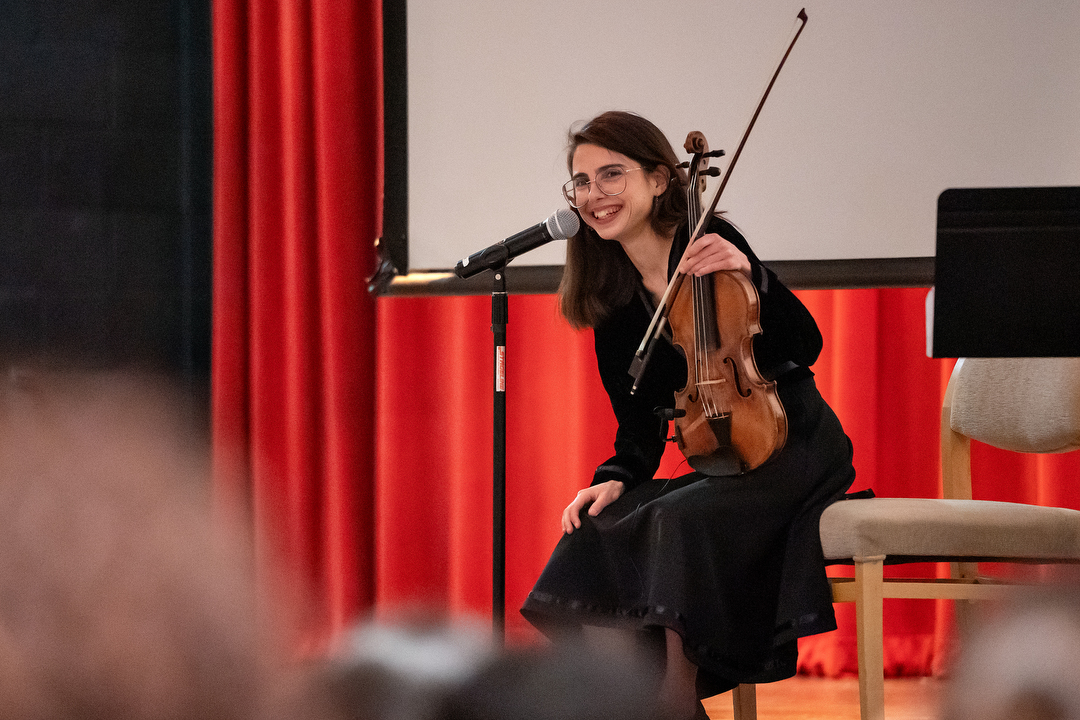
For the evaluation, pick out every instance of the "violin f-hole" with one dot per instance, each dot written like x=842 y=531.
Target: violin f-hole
x=738 y=380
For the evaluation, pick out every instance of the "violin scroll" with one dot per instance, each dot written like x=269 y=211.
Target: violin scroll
x=696 y=143
x=698 y=146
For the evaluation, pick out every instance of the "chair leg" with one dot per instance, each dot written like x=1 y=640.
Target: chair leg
x=744 y=699
x=964 y=609
x=869 y=596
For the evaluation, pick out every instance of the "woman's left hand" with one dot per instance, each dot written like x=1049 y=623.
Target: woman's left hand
x=595 y=497
x=710 y=253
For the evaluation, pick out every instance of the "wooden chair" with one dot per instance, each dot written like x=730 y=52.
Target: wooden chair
x=1018 y=404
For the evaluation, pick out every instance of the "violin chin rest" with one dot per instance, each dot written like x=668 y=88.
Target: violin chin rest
x=721 y=463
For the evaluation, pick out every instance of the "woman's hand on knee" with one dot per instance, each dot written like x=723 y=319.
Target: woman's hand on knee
x=596 y=497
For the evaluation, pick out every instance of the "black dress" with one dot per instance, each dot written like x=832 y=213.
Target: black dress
x=732 y=563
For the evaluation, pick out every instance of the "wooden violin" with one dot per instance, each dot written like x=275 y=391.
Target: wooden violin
x=728 y=418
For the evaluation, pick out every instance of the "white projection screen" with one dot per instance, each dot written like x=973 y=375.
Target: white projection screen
x=880 y=107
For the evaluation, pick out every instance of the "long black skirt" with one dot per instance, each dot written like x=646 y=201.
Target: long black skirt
x=732 y=564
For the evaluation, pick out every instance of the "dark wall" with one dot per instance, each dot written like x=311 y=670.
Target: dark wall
x=105 y=161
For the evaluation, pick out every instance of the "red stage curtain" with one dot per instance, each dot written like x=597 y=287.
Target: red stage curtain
x=362 y=430
x=297 y=122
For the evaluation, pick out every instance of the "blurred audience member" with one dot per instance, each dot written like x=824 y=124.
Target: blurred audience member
x=119 y=599
x=404 y=670
x=429 y=670
x=566 y=682
x=1021 y=662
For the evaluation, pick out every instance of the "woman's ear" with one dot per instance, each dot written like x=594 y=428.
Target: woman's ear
x=660 y=178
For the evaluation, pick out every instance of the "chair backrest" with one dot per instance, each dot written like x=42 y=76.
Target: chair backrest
x=1019 y=404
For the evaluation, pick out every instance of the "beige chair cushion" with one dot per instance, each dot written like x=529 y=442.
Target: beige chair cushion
x=917 y=527
x=1019 y=404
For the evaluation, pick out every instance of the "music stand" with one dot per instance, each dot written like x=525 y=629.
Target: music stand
x=1007 y=273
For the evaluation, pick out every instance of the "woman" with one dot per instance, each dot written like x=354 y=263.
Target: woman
x=729 y=570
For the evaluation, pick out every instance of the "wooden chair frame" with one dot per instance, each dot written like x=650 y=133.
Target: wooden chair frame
x=869 y=587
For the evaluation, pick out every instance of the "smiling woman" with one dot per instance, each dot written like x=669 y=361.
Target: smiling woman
x=723 y=564
x=600 y=274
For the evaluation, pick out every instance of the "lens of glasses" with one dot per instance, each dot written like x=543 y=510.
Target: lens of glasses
x=610 y=181
x=576 y=192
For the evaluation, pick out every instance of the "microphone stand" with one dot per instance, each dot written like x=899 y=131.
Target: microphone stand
x=499 y=318
x=560 y=225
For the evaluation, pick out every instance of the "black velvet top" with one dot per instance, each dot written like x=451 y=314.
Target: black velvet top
x=788 y=344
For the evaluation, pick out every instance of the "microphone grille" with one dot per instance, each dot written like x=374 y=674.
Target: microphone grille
x=563 y=224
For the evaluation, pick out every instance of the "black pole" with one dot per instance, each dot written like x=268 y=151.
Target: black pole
x=499 y=317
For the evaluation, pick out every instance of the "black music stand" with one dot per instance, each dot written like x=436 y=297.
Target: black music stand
x=1007 y=273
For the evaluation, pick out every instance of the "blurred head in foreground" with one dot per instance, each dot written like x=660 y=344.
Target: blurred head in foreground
x=433 y=671
x=560 y=683
x=1021 y=663
x=119 y=598
x=404 y=670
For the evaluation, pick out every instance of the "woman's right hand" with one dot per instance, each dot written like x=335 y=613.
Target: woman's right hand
x=597 y=496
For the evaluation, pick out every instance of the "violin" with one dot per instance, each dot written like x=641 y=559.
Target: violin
x=728 y=418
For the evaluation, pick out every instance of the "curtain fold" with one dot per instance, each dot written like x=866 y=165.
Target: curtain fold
x=296 y=199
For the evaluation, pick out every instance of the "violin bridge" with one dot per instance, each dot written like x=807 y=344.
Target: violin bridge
x=714 y=394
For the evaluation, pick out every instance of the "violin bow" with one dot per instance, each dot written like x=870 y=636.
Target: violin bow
x=659 y=319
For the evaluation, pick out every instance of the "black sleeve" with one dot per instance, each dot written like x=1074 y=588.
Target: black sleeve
x=788 y=330
x=641 y=434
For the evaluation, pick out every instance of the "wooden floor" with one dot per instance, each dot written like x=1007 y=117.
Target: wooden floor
x=805 y=698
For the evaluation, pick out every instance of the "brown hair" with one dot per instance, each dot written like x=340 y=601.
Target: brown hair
x=598 y=276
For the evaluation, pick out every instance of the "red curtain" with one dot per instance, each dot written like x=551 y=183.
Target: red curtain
x=362 y=429
x=296 y=192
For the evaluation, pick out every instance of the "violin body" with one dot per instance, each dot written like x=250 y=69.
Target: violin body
x=734 y=420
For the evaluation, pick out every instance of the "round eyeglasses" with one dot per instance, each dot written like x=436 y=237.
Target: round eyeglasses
x=609 y=180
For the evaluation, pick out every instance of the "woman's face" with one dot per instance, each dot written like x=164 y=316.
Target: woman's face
x=622 y=216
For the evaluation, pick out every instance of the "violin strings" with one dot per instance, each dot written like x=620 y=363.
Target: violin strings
x=702 y=357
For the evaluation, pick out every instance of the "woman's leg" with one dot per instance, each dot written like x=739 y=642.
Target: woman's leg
x=679 y=688
x=612 y=642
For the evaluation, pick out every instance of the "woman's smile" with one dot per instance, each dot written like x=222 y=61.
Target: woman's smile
x=605 y=213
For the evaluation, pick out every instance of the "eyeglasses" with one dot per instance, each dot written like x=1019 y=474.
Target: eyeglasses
x=610 y=181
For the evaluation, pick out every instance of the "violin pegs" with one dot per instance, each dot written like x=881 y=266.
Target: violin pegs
x=711 y=172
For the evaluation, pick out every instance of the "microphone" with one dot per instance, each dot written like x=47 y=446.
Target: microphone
x=562 y=224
